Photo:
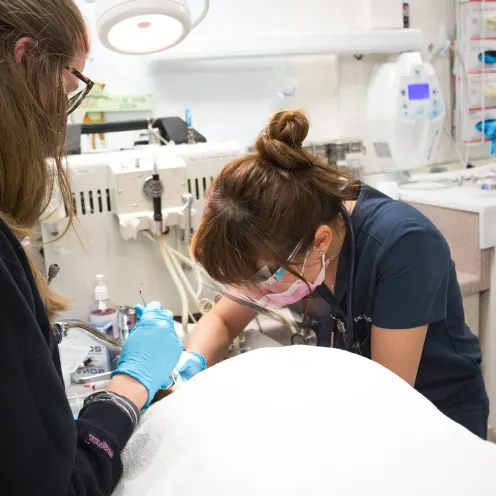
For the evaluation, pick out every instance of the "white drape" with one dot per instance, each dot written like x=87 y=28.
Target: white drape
x=303 y=421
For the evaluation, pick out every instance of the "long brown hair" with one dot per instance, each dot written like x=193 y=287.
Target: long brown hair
x=263 y=205
x=33 y=114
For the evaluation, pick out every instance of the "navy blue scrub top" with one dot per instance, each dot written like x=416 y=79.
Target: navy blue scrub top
x=404 y=278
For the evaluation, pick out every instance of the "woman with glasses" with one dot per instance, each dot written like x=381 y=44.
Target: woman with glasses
x=374 y=276
x=44 y=451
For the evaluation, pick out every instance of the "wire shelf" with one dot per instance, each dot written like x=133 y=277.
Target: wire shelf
x=474 y=67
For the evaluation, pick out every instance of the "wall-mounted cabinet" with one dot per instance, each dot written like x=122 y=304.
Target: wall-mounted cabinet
x=383 y=41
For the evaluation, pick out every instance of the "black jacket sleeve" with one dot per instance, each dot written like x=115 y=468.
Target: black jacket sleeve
x=43 y=450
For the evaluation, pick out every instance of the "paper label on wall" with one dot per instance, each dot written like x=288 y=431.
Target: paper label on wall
x=382 y=150
x=117 y=103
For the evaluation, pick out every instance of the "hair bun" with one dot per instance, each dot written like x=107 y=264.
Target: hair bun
x=280 y=143
x=289 y=126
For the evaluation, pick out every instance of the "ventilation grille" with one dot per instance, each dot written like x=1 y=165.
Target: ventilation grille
x=92 y=202
x=98 y=201
x=199 y=186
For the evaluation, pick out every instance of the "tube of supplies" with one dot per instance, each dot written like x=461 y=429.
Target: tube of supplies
x=406 y=14
x=189 y=123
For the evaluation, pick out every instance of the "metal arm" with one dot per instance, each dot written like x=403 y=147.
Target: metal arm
x=62 y=328
x=187 y=210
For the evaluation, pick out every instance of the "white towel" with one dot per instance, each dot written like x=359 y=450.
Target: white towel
x=303 y=421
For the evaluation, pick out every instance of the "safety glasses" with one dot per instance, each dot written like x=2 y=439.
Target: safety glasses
x=76 y=97
x=264 y=278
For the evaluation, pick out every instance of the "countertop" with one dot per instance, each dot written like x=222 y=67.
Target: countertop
x=469 y=283
x=468 y=198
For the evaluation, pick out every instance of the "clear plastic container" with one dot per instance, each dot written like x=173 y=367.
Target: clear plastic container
x=103 y=316
x=103 y=311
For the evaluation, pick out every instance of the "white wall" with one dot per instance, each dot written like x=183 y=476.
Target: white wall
x=234 y=101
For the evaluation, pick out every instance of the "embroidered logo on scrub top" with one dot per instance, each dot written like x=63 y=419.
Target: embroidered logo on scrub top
x=91 y=439
x=362 y=317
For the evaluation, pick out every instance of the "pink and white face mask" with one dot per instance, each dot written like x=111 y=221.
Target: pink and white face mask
x=297 y=291
x=265 y=293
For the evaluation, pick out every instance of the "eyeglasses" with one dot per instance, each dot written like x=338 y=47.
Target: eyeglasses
x=77 y=97
x=266 y=278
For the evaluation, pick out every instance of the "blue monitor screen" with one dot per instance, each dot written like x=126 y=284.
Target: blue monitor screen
x=420 y=91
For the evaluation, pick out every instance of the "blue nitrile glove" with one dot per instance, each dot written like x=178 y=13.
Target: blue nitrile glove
x=489 y=132
x=488 y=57
x=190 y=364
x=152 y=350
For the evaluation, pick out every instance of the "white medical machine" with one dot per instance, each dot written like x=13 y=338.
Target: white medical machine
x=113 y=202
x=404 y=113
x=116 y=197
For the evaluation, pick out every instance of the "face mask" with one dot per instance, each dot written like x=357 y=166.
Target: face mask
x=297 y=291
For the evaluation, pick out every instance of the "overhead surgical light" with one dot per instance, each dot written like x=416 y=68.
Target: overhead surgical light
x=144 y=26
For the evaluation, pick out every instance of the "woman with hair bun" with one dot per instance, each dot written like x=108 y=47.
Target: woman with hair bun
x=280 y=225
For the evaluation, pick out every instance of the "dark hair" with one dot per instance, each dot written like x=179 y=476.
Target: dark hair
x=162 y=394
x=262 y=205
